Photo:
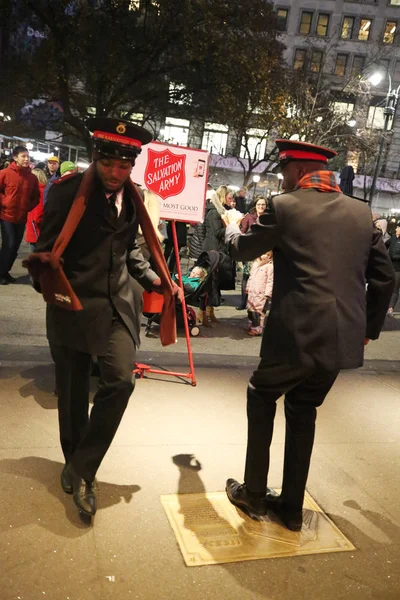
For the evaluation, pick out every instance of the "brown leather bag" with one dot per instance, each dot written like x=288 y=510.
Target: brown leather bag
x=46 y=267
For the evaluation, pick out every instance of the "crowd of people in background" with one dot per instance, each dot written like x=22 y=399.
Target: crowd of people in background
x=24 y=188
x=390 y=228
x=23 y=194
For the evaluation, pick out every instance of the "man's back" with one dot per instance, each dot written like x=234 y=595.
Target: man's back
x=321 y=258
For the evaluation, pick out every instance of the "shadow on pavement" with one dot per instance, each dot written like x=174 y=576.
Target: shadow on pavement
x=370 y=567
x=42 y=385
x=37 y=497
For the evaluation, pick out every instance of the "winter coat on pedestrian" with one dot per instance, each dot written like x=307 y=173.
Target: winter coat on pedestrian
x=19 y=193
x=35 y=218
x=50 y=182
x=248 y=220
x=393 y=246
x=260 y=284
x=215 y=240
x=215 y=228
x=197 y=240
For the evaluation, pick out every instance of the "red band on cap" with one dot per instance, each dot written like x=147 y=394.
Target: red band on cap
x=117 y=139
x=301 y=155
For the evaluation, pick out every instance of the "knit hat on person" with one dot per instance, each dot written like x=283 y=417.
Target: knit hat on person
x=67 y=166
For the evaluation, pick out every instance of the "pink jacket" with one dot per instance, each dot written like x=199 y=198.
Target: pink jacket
x=260 y=284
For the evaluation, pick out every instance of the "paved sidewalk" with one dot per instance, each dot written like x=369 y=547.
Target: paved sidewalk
x=46 y=551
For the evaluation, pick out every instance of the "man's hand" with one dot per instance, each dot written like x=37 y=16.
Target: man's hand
x=366 y=341
x=232 y=216
x=176 y=290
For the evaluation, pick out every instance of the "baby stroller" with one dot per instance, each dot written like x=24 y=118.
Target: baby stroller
x=152 y=303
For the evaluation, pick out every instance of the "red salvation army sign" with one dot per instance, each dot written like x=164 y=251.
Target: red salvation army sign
x=178 y=176
x=165 y=173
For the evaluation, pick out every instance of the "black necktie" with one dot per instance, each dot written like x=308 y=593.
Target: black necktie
x=113 y=207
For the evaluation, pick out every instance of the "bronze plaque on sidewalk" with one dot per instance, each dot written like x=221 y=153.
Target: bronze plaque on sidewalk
x=210 y=530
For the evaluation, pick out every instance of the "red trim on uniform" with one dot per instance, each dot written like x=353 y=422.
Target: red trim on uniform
x=118 y=139
x=302 y=155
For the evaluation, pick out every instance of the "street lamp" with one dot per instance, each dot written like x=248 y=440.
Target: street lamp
x=389 y=111
x=256 y=179
x=29 y=146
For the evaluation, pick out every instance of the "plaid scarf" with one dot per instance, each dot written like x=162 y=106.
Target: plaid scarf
x=323 y=181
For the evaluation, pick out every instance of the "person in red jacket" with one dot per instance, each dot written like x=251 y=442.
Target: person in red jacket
x=35 y=216
x=19 y=194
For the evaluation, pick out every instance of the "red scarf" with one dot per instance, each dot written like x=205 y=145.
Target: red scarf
x=46 y=267
x=323 y=181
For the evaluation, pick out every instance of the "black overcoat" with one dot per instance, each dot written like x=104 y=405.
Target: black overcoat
x=100 y=261
x=333 y=278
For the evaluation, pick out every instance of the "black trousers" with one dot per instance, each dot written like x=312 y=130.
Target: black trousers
x=305 y=388
x=85 y=440
x=11 y=238
x=396 y=290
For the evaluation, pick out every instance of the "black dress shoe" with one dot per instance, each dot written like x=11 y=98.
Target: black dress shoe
x=65 y=479
x=3 y=281
x=9 y=278
x=241 y=307
x=84 y=494
x=238 y=494
x=292 y=518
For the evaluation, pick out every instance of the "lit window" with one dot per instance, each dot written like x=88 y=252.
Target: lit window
x=365 y=30
x=394 y=2
x=390 y=32
x=282 y=14
x=134 y=4
x=299 y=60
x=91 y=111
x=305 y=23
x=384 y=67
x=358 y=65
x=347 y=28
x=215 y=138
x=176 y=131
x=341 y=64
x=256 y=144
x=376 y=118
x=316 y=61
x=137 y=118
x=344 y=109
x=322 y=25
x=178 y=95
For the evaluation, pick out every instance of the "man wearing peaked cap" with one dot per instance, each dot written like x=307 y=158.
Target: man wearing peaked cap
x=117 y=139
x=326 y=251
x=100 y=261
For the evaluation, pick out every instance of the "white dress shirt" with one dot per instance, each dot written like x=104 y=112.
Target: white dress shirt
x=118 y=200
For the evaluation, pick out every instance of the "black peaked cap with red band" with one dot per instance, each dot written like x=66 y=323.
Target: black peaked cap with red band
x=115 y=138
x=290 y=150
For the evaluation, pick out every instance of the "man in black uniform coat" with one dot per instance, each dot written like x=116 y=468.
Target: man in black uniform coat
x=326 y=250
x=100 y=262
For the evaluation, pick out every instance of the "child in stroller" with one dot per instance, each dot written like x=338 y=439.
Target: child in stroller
x=199 y=284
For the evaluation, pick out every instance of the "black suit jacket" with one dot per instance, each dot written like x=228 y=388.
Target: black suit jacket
x=100 y=261
x=326 y=250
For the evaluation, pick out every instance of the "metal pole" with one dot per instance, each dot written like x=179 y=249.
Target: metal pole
x=389 y=110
